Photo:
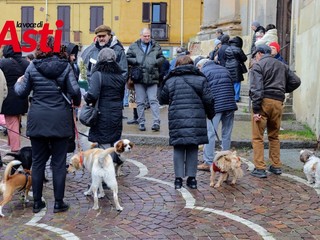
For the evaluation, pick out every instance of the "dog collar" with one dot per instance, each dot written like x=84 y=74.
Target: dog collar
x=216 y=168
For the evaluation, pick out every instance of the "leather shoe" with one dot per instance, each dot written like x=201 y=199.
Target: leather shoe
x=155 y=127
x=192 y=182
x=276 y=171
x=259 y=173
x=38 y=205
x=178 y=183
x=132 y=121
x=142 y=127
x=60 y=206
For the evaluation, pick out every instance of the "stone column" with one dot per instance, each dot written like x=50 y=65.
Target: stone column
x=211 y=10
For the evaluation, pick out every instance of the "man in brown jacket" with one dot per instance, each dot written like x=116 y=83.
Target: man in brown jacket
x=270 y=79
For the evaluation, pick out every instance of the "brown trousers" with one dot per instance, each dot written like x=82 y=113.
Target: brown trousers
x=271 y=112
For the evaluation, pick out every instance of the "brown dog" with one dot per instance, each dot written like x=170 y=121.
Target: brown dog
x=225 y=162
x=11 y=183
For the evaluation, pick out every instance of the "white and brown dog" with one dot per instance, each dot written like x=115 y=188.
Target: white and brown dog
x=11 y=183
x=225 y=162
x=311 y=167
x=100 y=164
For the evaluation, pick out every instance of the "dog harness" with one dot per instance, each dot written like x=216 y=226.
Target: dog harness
x=27 y=174
x=216 y=168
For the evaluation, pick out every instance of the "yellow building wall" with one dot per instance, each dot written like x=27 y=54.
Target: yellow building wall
x=123 y=16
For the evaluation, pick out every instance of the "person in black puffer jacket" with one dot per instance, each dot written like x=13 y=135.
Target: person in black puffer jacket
x=13 y=66
x=234 y=55
x=108 y=85
x=190 y=102
x=49 y=123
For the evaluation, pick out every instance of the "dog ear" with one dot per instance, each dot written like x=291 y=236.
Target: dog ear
x=119 y=146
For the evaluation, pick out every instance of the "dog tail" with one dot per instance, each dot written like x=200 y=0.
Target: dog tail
x=8 y=169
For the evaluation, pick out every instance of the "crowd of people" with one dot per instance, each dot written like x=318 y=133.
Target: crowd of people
x=200 y=94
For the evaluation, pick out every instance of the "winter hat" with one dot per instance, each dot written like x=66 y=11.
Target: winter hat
x=103 y=29
x=276 y=45
x=107 y=55
x=202 y=62
x=217 y=42
x=256 y=24
x=262 y=48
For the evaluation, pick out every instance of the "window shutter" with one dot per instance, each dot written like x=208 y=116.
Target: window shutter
x=163 y=12
x=145 y=12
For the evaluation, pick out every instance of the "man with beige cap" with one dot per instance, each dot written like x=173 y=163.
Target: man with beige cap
x=104 y=39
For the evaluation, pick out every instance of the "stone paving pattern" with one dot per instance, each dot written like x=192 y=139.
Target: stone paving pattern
x=278 y=207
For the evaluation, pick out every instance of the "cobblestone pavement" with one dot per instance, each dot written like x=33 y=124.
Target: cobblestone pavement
x=279 y=207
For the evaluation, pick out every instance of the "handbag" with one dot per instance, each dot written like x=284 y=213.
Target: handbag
x=243 y=67
x=89 y=114
x=136 y=72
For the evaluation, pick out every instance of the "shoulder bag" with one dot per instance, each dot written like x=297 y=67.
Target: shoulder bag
x=89 y=114
x=137 y=71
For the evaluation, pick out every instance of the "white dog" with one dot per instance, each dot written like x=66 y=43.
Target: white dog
x=311 y=167
x=100 y=164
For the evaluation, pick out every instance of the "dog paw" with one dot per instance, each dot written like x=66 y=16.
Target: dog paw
x=211 y=184
x=95 y=207
x=217 y=186
x=87 y=193
x=101 y=195
x=119 y=209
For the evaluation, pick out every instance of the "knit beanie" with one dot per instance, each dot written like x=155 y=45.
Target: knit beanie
x=256 y=24
x=107 y=55
x=276 y=45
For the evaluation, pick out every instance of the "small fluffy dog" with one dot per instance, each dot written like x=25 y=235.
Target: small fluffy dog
x=225 y=162
x=311 y=167
x=11 y=183
x=100 y=164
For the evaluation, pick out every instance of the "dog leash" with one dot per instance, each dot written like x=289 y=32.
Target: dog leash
x=78 y=139
x=14 y=131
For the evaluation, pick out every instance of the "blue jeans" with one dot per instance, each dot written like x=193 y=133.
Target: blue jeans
x=237 y=88
x=142 y=91
x=226 y=119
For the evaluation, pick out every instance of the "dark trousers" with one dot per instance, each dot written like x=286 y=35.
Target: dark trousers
x=42 y=149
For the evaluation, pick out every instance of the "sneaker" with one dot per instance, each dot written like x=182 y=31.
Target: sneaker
x=132 y=121
x=259 y=173
x=142 y=127
x=276 y=171
x=155 y=127
x=204 y=167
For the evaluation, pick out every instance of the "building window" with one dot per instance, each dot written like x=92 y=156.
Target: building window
x=64 y=15
x=96 y=17
x=158 y=12
x=27 y=16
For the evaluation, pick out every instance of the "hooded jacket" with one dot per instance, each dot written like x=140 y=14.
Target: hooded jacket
x=234 y=55
x=50 y=115
x=13 y=66
x=190 y=102
x=74 y=49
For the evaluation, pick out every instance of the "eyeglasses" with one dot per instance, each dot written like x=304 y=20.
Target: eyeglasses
x=101 y=36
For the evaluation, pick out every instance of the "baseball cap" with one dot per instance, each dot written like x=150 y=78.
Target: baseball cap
x=263 y=48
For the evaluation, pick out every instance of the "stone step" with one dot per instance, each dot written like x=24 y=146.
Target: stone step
x=240 y=116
